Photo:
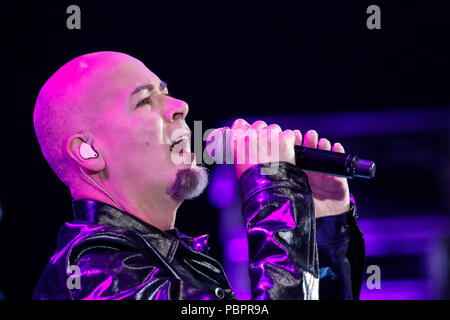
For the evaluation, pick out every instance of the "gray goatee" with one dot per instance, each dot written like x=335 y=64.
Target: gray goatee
x=189 y=183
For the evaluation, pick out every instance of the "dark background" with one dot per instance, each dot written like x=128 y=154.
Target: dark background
x=226 y=61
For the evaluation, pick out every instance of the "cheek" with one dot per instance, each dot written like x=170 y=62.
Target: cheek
x=141 y=141
x=136 y=143
x=147 y=131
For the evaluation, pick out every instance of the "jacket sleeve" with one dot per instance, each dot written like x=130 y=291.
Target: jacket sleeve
x=112 y=269
x=341 y=256
x=279 y=215
x=284 y=253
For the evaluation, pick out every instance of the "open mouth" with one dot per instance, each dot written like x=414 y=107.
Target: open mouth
x=181 y=144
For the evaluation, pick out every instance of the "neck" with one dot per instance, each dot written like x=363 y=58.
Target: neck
x=159 y=211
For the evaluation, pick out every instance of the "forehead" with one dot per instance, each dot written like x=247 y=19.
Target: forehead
x=131 y=75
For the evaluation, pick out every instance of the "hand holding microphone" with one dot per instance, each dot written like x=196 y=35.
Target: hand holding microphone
x=248 y=140
x=331 y=165
x=313 y=155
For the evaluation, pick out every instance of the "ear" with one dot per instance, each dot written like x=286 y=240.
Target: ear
x=73 y=144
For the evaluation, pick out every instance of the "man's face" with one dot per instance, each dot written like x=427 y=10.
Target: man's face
x=138 y=128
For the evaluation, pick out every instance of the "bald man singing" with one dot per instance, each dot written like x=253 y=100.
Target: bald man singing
x=109 y=130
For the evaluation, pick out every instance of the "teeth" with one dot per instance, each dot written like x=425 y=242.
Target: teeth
x=179 y=140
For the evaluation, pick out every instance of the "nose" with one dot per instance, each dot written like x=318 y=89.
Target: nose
x=176 y=109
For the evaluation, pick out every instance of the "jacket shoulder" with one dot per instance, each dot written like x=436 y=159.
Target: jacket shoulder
x=101 y=238
x=74 y=241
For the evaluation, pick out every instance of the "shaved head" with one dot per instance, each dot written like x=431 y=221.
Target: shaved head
x=114 y=103
x=73 y=101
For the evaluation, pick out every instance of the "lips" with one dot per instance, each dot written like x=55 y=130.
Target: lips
x=180 y=143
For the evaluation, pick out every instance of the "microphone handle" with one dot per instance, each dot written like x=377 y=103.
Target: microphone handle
x=334 y=163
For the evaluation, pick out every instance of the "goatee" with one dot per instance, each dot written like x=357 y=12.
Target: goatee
x=189 y=183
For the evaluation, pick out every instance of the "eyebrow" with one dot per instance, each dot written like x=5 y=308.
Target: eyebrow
x=150 y=87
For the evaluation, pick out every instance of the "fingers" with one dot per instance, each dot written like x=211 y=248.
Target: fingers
x=298 y=138
x=274 y=127
x=287 y=140
x=258 y=125
x=311 y=139
x=337 y=147
x=287 y=137
x=273 y=131
x=252 y=134
x=238 y=132
x=324 y=144
x=240 y=124
x=266 y=135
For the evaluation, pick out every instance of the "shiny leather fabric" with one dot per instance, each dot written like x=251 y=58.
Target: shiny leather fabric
x=121 y=257
x=341 y=256
x=289 y=258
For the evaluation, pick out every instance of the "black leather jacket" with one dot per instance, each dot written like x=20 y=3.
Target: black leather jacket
x=118 y=256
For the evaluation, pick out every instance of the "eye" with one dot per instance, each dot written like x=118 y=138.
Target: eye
x=144 y=101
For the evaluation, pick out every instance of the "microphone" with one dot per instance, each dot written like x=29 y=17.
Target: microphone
x=345 y=165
